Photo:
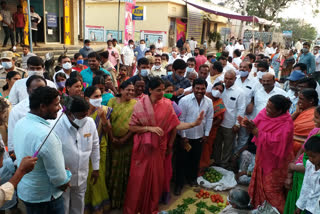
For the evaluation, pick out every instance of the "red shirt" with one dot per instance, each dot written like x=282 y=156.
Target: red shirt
x=79 y=69
x=200 y=60
x=19 y=20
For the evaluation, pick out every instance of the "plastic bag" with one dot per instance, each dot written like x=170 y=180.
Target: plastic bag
x=228 y=180
x=266 y=208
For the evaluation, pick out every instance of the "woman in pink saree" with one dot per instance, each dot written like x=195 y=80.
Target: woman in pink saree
x=154 y=123
x=273 y=135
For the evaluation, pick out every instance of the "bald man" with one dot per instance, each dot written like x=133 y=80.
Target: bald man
x=262 y=95
x=234 y=101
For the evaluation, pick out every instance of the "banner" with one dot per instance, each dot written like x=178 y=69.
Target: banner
x=181 y=29
x=66 y=21
x=129 y=23
x=137 y=13
x=94 y=33
x=195 y=23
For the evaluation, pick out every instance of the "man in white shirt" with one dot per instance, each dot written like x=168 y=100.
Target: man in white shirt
x=230 y=49
x=268 y=51
x=191 y=140
x=21 y=109
x=298 y=45
x=193 y=45
x=236 y=58
x=202 y=74
x=262 y=95
x=234 y=101
x=159 y=46
x=239 y=45
x=157 y=70
x=216 y=73
x=248 y=85
x=80 y=143
x=35 y=20
x=127 y=56
x=184 y=55
x=19 y=89
x=25 y=56
x=317 y=57
x=66 y=67
x=173 y=56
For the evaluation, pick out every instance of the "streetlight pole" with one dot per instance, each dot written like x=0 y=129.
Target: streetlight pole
x=30 y=31
x=118 y=36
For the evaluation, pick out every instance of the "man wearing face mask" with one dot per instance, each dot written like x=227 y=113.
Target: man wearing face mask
x=234 y=101
x=157 y=70
x=293 y=92
x=202 y=74
x=79 y=145
x=66 y=67
x=308 y=59
x=143 y=72
x=113 y=54
x=21 y=109
x=174 y=55
x=85 y=51
x=200 y=59
x=127 y=56
x=183 y=54
x=191 y=65
x=141 y=49
x=177 y=78
x=8 y=64
x=19 y=90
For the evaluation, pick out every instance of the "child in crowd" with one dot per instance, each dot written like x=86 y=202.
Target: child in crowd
x=310 y=191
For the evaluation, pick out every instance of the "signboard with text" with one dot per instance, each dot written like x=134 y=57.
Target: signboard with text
x=137 y=13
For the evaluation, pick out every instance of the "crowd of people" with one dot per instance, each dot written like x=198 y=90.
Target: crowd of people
x=113 y=130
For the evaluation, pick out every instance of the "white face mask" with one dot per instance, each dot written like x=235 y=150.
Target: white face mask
x=96 y=102
x=142 y=46
x=260 y=74
x=67 y=66
x=244 y=73
x=216 y=93
x=156 y=67
x=31 y=73
x=80 y=123
x=189 y=69
x=7 y=65
x=131 y=46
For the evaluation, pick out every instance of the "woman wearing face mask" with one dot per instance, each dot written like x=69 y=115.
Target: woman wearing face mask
x=219 y=110
x=121 y=143
x=79 y=66
x=12 y=77
x=60 y=80
x=99 y=82
x=97 y=197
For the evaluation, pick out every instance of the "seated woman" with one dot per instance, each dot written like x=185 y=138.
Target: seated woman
x=61 y=82
x=219 y=110
x=78 y=58
x=99 y=82
x=273 y=135
x=303 y=117
x=296 y=169
x=11 y=78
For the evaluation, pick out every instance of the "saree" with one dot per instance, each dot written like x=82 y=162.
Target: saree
x=97 y=197
x=120 y=155
x=303 y=125
x=219 y=110
x=294 y=193
x=274 y=152
x=146 y=179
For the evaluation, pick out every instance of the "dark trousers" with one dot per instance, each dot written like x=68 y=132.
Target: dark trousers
x=187 y=163
x=316 y=76
x=51 y=207
x=19 y=34
x=8 y=33
x=35 y=36
x=307 y=212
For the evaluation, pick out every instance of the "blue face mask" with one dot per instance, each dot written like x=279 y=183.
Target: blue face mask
x=144 y=72
x=80 y=62
x=178 y=77
x=213 y=60
x=169 y=73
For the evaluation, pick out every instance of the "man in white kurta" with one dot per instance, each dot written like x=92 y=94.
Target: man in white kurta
x=79 y=144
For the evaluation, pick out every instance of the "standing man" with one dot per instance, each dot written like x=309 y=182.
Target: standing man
x=141 y=49
x=174 y=55
x=193 y=45
x=157 y=69
x=143 y=72
x=230 y=49
x=200 y=59
x=116 y=45
x=317 y=58
x=127 y=56
x=239 y=45
x=234 y=101
x=8 y=64
x=66 y=67
x=159 y=46
x=26 y=54
x=85 y=51
x=184 y=54
x=19 y=22
x=35 y=20
x=269 y=50
x=80 y=144
x=298 y=45
x=308 y=59
x=191 y=140
x=7 y=24
x=180 y=42
x=113 y=56
x=41 y=190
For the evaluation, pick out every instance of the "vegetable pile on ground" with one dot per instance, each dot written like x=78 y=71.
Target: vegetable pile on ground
x=212 y=175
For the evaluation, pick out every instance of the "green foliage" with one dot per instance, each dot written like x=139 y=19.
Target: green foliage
x=299 y=29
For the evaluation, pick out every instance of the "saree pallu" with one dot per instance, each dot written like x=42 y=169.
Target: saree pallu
x=274 y=152
x=207 y=148
x=120 y=155
x=294 y=193
x=97 y=197
x=146 y=179
x=303 y=125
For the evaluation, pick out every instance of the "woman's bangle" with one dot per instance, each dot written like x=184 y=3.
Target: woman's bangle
x=146 y=128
